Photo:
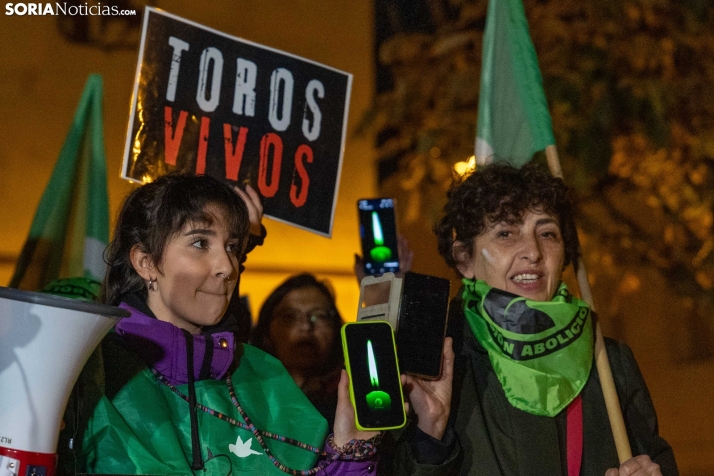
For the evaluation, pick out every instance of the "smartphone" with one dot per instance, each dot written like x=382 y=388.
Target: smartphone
x=422 y=319
x=378 y=234
x=375 y=386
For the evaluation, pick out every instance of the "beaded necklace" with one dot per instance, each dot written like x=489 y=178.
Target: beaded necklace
x=354 y=450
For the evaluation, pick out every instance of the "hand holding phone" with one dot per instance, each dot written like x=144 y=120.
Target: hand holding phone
x=431 y=399
x=345 y=428
x=375 y=385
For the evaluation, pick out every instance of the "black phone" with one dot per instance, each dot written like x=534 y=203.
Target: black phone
x=421 y=328
x=375 y=385
x=378 y=234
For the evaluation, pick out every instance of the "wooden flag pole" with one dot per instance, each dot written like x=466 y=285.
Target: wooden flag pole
x=612 y=402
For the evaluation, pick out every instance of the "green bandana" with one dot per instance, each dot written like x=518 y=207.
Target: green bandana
x=84 y=289
x=541 y=351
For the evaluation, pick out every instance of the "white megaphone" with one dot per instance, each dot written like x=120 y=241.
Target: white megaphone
x=45 y=341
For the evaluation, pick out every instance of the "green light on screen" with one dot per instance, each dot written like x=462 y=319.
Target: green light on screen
x=376 y=399
x=379 y=253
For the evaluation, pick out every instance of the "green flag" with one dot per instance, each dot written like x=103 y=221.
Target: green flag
x=71 y=225
x=513 y=118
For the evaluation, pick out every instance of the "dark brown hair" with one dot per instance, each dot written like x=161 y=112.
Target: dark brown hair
x=502 y=193
x=261 y=332
x=153 y=213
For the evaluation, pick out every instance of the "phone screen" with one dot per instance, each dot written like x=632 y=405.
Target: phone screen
x=378 y=233
x=422 y=324
x=374 y=374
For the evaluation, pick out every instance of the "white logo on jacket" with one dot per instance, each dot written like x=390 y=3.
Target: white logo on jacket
x=242 y=448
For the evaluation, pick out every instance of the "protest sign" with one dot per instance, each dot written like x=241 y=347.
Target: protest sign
x=208 y=102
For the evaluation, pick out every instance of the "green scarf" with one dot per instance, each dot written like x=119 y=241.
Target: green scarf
x=541 y=351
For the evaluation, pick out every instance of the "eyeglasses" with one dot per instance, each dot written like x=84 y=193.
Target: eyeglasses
x=316 y=317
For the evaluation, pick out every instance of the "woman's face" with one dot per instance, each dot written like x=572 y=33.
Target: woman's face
x=197 y=275
x=525 y=258
x=302 y=331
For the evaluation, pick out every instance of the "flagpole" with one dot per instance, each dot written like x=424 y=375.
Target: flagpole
x=612 y=402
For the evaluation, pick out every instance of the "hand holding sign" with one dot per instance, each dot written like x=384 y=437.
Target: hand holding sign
x=255 y=208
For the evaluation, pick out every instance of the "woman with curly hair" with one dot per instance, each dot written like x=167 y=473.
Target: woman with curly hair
x=527 y=398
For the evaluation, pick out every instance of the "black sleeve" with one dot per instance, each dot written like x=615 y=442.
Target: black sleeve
x=428 y=450
x=638 y=409
x=417 y=454
x=109 y=368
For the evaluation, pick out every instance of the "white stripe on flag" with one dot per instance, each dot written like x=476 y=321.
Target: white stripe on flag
x=484 y=152
x=94 y=257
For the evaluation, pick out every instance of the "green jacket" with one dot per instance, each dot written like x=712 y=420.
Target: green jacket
x=154 y=437
x=497 y=439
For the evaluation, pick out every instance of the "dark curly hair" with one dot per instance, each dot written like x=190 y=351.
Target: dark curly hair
x=153 y=213
x=502 y=193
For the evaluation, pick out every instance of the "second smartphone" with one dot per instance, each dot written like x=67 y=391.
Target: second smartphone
x=423 y=313
x=378 y=235
x=375 y=385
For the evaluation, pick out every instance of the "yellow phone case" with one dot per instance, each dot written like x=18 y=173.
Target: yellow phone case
x=349 y=372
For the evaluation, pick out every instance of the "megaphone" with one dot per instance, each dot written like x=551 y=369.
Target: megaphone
x=45 y=341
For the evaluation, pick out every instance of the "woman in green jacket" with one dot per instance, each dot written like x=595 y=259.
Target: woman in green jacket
x=179 y=396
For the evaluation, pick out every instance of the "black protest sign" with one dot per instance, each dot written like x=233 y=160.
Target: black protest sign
x=207 y=102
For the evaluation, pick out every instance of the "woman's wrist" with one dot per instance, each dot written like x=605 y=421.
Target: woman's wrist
x=435 y=428
x=355 y=449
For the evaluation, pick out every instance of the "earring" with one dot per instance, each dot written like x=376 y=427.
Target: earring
x=225 y=278
x=151 y=284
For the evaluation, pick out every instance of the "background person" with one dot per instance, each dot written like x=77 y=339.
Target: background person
x=300 y=325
